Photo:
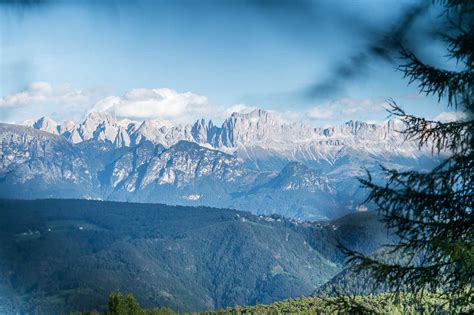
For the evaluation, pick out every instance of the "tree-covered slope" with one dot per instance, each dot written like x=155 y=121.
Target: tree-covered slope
x=63 y=255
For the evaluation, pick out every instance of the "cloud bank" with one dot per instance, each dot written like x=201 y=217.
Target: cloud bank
x=450 y=116
x=63 y=102
x=156 y=103
x=40 y=98
x=44 y=93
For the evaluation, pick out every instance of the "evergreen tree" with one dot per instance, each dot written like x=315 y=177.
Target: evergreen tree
x=121 y=304
x=432 y=212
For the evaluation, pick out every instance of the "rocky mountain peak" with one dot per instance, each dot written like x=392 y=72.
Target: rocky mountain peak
x=94 y=119
x=98 y=126
x=204 y=132
x=240 y=129
x=254 y=136
x=66 y=126
x=257 y=117
x=46 y=124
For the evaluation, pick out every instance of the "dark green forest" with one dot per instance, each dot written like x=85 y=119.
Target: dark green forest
x=60 y=256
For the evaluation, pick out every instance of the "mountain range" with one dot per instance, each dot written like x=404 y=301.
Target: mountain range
x=253 y=161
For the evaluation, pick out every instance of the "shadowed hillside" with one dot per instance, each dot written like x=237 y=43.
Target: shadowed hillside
x=64 y=255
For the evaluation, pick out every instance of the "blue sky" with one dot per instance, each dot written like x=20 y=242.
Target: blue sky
x=179 y=60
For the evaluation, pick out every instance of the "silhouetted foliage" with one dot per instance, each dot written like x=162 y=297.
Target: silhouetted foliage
x=431 y=212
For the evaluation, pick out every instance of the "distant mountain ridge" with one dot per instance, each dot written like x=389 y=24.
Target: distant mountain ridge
x=256 y=128
x=259 y=138
x=251 y=162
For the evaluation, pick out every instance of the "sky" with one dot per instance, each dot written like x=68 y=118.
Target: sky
x=323 y=62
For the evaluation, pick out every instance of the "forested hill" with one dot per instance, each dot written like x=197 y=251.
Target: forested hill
x=58 y=256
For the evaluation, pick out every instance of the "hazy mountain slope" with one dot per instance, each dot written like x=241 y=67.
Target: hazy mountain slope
x=247 y=163
x=308 y=193
x=62 y=255
x=364 y=233
x=36 y=164
x=349 y=281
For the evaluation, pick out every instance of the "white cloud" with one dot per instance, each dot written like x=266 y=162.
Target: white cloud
x=322 y=113
x=450 y=116
x=238 y=108
x=65 y=102
x=346 y=108
x=44 y=99
x=44 y=93
x=156 y=103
